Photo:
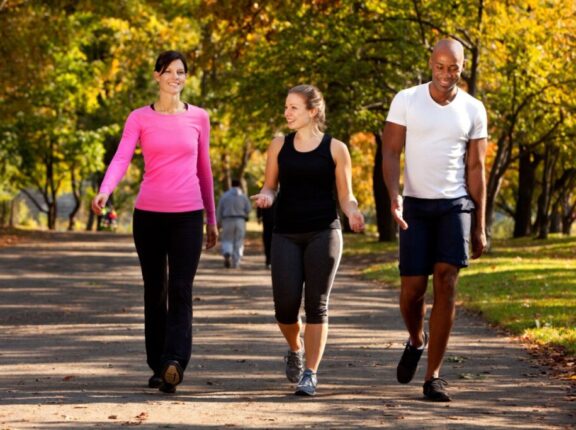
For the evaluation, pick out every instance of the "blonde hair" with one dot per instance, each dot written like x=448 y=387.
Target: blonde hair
x=314 y=100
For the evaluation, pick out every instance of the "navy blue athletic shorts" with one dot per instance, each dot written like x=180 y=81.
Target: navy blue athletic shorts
x=438 y=232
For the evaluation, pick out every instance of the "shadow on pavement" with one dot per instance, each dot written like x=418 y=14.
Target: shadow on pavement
x=72 y=353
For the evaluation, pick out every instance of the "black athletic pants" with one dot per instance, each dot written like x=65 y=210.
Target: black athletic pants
x=304 y=264
x=169 y=247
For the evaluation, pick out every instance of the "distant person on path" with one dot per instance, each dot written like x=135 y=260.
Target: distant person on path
x=176 y=190
x=232 y=214
x=107 y=220
x=307 y=165
x=266 y=218
x=443 y=131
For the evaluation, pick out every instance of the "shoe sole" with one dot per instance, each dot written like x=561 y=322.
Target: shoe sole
x=172 y=375
x=437 y=399
x=304 y=393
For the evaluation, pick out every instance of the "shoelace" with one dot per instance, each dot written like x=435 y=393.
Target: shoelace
x=293 y=359
x=306 y=380
x=439 y=384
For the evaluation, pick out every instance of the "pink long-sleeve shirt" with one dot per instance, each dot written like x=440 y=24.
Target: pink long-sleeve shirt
x=177 y=171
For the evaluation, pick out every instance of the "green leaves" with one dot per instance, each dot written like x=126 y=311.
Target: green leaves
x=75 y=68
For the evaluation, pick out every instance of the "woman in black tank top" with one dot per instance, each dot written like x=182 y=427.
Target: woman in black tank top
x=312 y=172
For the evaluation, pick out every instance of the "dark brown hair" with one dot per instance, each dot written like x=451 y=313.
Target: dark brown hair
x=166 y=57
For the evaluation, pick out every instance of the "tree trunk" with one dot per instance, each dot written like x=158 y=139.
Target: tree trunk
x=567 y=225
x=53 y=207
x=50 y=192
x=95 y=180
x=11 y=222
x=77 y=193
x=563 y=188
x=499 y=167
x=239 y=174
x=543 y=217
x=52 y=214
x=526 y=184
x=4 y=213
x=90 y=222
x=386 y=226
x=556 y=219
x=226 y=173
x=568 y=214
x=48 y=210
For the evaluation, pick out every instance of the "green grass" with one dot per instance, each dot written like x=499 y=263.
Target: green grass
x=524 y=285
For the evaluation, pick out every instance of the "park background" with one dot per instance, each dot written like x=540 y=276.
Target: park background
x=72 y=71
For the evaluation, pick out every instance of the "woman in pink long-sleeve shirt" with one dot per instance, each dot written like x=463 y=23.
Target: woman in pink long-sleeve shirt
x=176 y=191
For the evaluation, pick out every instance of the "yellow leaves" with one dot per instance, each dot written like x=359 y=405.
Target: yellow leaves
x=362 y=151
x=113 y=68
x=91 y=98
x=377 y=6
x=116 y=24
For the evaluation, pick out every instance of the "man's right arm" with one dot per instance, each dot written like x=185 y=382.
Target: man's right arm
x=393 y=140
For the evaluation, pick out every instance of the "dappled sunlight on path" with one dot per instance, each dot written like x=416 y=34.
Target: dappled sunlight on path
x=72 y=353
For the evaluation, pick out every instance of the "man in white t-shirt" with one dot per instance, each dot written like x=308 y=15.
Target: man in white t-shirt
x=443 y=131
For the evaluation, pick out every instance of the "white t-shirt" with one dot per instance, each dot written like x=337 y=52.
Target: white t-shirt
x=436 y=140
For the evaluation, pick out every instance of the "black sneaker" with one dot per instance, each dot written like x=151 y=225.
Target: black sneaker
x=155 y=381
x=409 y=361
x=227 y=260
x=167 y=388
x=435 y=390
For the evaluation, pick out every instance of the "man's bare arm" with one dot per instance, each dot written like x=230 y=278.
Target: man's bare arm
x=393 y=140
x=476 y=182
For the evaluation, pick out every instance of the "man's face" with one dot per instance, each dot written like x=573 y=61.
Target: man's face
x=446 y=68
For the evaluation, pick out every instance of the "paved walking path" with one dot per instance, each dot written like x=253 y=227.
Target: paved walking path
x=72 y=353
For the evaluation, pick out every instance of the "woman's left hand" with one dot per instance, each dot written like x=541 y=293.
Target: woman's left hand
x=211 y=235
x=356 y=221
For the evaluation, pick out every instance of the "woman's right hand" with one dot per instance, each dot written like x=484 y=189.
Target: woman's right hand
x=262 y=200
x=98 y=203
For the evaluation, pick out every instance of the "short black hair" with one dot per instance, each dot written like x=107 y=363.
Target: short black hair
x=166 y=57
x=236 y=183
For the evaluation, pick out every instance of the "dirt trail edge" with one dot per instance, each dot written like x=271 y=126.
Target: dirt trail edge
x=72 y=353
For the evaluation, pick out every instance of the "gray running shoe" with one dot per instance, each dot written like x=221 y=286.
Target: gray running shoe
x=294 y=365
x=307 y=384
x=435 y=390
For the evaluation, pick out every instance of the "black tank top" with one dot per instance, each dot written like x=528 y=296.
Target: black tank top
x=306 y=201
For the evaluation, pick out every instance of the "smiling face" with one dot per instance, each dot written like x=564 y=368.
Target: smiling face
x=446 y=64
x=172 y=79
x=296 y=113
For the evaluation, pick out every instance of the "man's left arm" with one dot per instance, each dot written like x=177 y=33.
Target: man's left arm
x=476 y=182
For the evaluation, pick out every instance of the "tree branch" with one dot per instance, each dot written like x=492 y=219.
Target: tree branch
x=34 y=202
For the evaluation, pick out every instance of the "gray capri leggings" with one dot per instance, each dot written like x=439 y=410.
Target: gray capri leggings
x=304 y=261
